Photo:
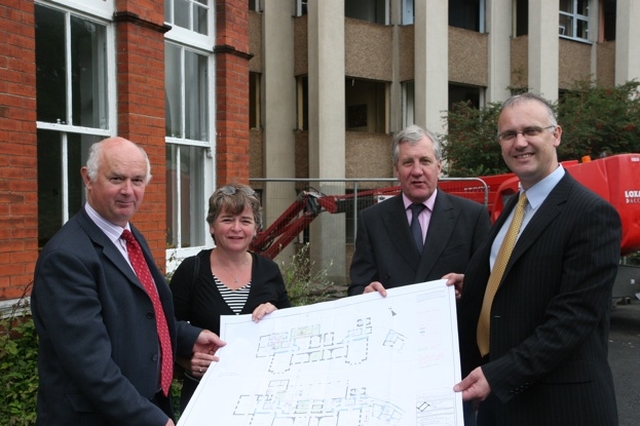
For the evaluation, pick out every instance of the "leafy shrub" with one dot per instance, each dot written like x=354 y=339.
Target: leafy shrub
x=306 y=284
x=18 y=368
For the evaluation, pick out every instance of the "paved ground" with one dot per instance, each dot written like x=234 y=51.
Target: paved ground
x=624 y=358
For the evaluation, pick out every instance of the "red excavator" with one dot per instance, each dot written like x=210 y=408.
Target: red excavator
x=615 y=178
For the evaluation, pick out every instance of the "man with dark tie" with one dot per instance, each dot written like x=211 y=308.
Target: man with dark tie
x=102 y=309
x=422 y=233
x=534 y=314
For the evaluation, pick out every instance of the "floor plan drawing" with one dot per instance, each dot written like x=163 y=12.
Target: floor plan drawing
x=359 y=361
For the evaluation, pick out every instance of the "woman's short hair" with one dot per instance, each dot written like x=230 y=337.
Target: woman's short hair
x=234 y=198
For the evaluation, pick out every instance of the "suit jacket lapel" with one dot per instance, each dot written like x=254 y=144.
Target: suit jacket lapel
x=550 y=208
x=441 y=225
x=109 y=250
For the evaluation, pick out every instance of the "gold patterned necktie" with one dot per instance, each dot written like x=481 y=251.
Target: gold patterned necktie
x=504 y=253
x=144 y=275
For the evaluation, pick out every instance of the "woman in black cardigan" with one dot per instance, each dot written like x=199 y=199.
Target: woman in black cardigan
x=228 y=279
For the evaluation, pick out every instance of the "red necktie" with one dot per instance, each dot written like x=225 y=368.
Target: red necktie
x=144 y=275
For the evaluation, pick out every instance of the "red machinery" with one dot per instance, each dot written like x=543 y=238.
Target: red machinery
x=615 y=178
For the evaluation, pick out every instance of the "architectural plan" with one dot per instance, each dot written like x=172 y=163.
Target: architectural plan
x=359 y=361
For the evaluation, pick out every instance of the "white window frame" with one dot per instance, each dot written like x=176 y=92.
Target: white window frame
x=192 y=38
x=63 y=128
x=201 y=44
x=99 y=8
x=575 y=17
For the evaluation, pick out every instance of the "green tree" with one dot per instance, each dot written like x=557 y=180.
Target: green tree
x=471 y=146
x=599 y=121
x=595 y=121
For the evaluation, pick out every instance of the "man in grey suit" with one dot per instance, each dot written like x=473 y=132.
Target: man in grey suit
x=546 y=358
x=99 y=359
x=451 y=227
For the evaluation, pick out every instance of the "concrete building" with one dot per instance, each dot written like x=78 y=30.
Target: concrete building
x=331 y=80
x=233 y=90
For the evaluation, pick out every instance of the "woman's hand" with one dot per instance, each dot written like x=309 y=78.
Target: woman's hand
x=262 y=310
x=198 y=364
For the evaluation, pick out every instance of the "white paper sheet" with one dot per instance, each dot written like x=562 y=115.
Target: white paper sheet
x=358 y=361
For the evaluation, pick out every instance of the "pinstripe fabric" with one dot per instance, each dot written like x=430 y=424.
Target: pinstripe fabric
x=550 y=317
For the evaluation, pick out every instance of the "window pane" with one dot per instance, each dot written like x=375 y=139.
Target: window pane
x=88 y=74
x=465 y=14
x=172 y=195
x=185 y=203
x=50 y=64
x=50 y=179
x=167 y=11
x=566 y=6
x=201 y=20
x=366 y=10
x=196 y=90
x=191 y=200
x=583 y=7
x=582 y=29
x=78 y=150
x=566 y=25
x=49 y=185
x=181 y=13
x=173 y=91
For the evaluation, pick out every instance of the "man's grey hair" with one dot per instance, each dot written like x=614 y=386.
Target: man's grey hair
x=95 y=157
x=411 y=135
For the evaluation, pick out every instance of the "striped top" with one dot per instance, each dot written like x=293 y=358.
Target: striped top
x=236 y=299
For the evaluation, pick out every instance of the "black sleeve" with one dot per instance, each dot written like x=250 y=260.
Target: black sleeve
x=181 y=285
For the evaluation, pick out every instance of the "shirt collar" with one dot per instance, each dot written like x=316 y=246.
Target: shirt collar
x=428 y=203
x=539 y=192
x=111 y=230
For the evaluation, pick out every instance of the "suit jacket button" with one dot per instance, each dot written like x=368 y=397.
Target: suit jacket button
x=154 y=358
x=149 y=315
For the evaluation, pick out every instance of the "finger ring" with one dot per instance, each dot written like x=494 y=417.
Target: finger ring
x=200 y=370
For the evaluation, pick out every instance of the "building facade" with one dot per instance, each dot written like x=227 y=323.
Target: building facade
x=233 y=90
x=332 y=80
x=169 y=75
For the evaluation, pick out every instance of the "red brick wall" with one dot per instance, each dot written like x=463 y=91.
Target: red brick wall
x=232 y=91
x=141 y=100
x=141 y=105
x=18 y=144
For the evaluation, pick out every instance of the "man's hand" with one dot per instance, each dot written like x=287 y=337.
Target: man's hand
x=262 y=310
x=474 y=386
x=455 y=280
x=376 y=286
x=208 y=343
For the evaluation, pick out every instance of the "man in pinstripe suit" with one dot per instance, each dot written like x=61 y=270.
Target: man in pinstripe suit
x=549 y=319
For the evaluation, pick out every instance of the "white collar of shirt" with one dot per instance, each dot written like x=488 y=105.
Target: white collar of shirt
x=535 y=197
x=541 y=190
x=112 y=231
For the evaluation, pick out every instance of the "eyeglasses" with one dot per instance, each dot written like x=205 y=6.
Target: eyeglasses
x=230 y=190
x=527 y=132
